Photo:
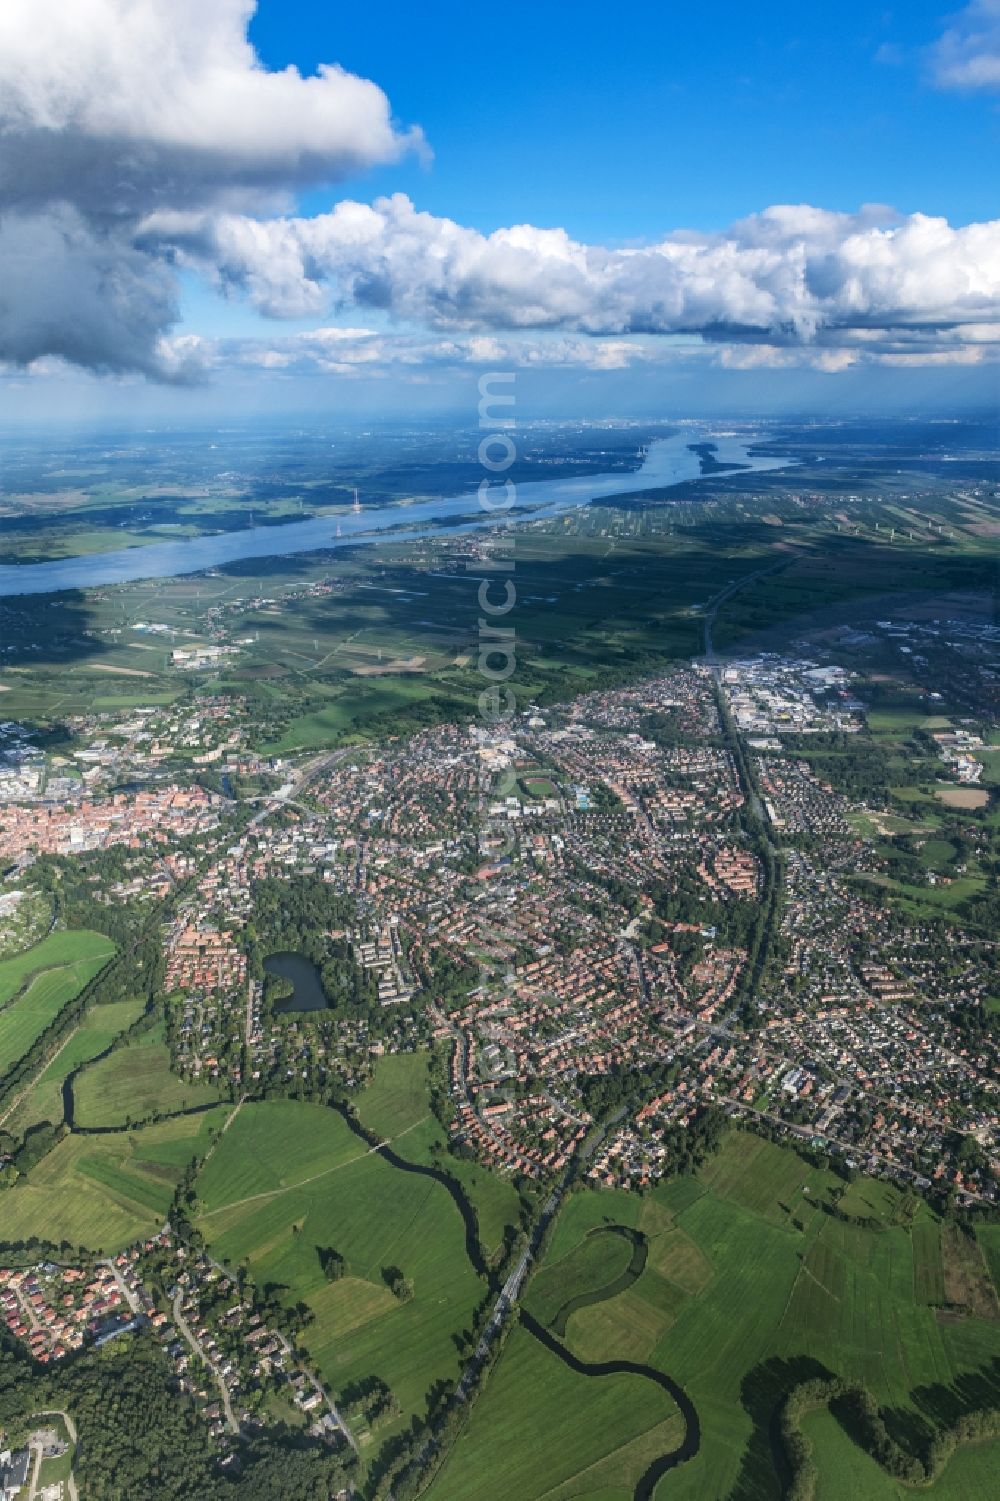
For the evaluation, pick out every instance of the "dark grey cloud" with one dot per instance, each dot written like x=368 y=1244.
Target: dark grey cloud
x=111 y=109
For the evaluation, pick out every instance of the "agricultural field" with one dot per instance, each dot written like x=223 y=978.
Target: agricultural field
x=594 y=1265
x=751 y=1283
x=43 y=1101
x=23 y=1020
x=397 y=1098
x=54 y=952
x=766 y=1180
x=273 y=1146
x=988 y=1237
x=102 y=1192
x=134 y=1083
x=542 y=1429
x=39 y=983
x=928 y=1263
x=591 y=1210
x=590 y=1294
x=605 y=590
x=290 y=1182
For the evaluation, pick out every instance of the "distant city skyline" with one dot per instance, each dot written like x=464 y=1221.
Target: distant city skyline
x=229 y=206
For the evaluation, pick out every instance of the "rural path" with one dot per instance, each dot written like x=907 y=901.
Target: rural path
x=232 y=1115
x=27 y=1310
x=248 y=1028
x=225 y=1127
x=316 y=1385
x=200 y=1351
x=270 y=1193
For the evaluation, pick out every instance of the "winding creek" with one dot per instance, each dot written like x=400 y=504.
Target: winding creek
x=691 y=1442
x=634 y=1270
x=646 y=1485
x=692 y=454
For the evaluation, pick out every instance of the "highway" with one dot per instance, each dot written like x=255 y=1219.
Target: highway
x=712 y=607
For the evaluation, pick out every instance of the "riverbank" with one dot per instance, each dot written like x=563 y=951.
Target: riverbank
x=690 y=455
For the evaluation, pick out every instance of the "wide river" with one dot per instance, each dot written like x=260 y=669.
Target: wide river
x=668 y=461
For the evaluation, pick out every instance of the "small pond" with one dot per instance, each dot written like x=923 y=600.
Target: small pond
x=308 y=994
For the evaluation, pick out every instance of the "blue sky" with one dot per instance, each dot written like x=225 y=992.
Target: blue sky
x=594 y=205
x=619 y=121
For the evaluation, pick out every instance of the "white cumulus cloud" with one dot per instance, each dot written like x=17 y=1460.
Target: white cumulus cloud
x=142 y=137
x=792 y=274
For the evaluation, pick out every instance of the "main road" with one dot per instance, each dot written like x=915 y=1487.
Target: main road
x=288 y=793
x=510 y=1293
x=712 y=606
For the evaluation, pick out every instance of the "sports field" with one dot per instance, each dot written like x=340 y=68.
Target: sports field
x=134 y=1082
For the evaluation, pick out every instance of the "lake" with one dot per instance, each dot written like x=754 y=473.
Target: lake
x=668 y=461
x=308 y=994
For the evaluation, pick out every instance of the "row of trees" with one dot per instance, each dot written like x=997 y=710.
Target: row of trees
x=858 y=1410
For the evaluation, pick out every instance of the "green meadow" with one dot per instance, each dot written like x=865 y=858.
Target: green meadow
x=35 y=986
x=846 y=1473
x=593 y=1265
x=540 y=1429
x=100 y=1026
x=54 y=952
x=397 y=1105
x=102 y=1192
x=751 y=1283
x=290 y=1181
x=133 y=1083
